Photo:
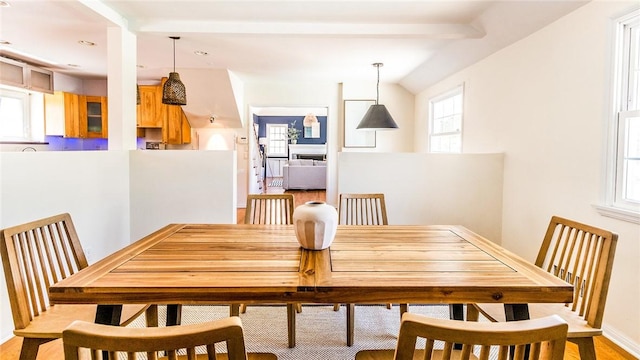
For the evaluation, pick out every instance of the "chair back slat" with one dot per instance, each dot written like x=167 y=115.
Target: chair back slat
x=543 y=339
x=269 y=209
x=362 y=209
x=35 y=256
x=173 y=340
x=582 y=255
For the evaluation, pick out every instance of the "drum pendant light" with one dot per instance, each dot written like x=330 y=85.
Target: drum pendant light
x=377 y=117
x=173 y=91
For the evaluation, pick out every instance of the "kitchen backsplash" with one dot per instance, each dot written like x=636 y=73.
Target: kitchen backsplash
x=60 y=143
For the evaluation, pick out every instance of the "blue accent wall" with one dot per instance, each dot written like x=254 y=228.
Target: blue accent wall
x=262 y=121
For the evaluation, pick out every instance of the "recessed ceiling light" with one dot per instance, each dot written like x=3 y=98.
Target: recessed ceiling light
x=4 y=4
x=73 y=65
x=5 y=42
x=201 y=53
x=86 y=42
x=141 y=66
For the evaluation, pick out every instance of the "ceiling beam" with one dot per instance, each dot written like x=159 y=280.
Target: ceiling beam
x=430 y=31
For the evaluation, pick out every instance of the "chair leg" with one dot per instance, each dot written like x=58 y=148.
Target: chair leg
x=586 y=347
x=350 y=323
x=291 y=325
x=389 y=306
x=243 y=308
x=151 y=316
x=336 y=307
x=298 y=308
x=30 y=348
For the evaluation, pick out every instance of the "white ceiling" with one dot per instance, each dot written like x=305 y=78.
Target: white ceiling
x=419 y=42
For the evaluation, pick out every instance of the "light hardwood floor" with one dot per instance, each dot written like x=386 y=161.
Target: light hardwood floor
x=10 y=350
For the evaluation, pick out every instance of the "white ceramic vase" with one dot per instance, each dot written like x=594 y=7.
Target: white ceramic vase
x=315 y=224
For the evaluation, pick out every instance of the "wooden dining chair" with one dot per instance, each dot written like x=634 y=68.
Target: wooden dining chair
x=542 y=339
x=274 y=209
x=361 y=209
x=35 y=256
x=583 y=256
x=174 y=342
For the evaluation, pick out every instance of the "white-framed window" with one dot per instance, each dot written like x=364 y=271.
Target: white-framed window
x=277 y=140
x=623 y=185
x=14 y=115
x=21 y=115
x=445 y=122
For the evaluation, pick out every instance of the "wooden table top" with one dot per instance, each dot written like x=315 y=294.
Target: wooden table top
x=204 y=263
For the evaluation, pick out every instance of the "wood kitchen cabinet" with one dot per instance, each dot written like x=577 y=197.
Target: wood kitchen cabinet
x=62 y=115
x=76 y=116
x=151 y=112
x=177 y=129
x=93 y=114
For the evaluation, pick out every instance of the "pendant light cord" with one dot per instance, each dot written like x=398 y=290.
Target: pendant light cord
x=377 y=65
x=174 y=38
x=378 y=86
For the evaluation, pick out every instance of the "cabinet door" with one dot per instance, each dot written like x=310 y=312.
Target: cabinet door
x=151 y=111
x=62 y=114
x=40 y=80
x=95 y=116
x=177 y=129
x=73 y=113
x=13 y=73
x=186 y=129
x=172 y=131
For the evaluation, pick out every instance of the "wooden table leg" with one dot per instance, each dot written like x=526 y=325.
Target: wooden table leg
x=108 y=315
x=234 y=310
x=174 y=314
x=350 y=323
x=515 y=312
x=456 y=312
x=291 y=325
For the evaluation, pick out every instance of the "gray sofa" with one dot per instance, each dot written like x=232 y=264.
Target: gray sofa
x=302 y=174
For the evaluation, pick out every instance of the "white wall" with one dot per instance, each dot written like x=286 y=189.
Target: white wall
x=400 y=104
x=112 y=194
x=175 y=186
x=92 y=186
x=544 y=102
x=424 y=189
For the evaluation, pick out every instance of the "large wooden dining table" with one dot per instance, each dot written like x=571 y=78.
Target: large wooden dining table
x=223 y=264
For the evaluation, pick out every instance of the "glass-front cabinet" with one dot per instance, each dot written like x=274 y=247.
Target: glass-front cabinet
x=96 y=116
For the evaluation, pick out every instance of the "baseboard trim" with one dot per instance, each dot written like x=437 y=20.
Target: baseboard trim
x=624 y=343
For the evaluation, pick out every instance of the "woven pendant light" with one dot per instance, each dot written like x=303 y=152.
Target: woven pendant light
x=173 y=91
x=377 y=117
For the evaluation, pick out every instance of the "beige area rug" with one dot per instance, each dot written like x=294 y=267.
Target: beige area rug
x=320 y=331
